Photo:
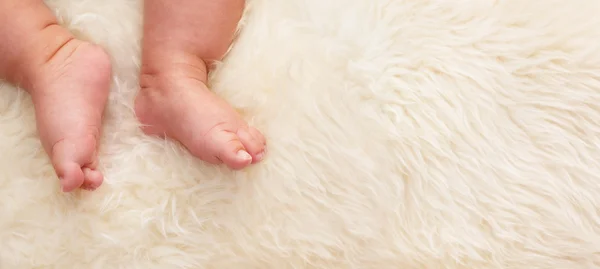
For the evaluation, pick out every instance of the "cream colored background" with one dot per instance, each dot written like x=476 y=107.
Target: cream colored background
x=403 y=134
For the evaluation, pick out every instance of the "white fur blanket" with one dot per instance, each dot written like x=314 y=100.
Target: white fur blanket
x=403 y=134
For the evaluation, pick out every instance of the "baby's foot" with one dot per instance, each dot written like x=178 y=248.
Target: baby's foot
x=69 y=87
x=175 y=101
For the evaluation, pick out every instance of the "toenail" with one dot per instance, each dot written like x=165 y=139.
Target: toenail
x=243 y=155
x=260 y=156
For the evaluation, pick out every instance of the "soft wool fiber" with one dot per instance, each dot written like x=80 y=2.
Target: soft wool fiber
x=402 y=134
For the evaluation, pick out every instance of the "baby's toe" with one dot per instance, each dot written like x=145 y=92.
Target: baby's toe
x=70 y=175
x=254 y=143
x=69 y=157
x=257 y=135
x=230 y=150
x=92 y=179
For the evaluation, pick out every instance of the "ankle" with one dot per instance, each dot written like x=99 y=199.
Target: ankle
x=161 y=65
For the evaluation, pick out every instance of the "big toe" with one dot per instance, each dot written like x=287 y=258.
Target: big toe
x=254 y=143
x=230 y=150
x=70 y=174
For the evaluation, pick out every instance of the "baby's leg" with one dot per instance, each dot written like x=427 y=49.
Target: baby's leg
x=68 y=81
x=180 y=38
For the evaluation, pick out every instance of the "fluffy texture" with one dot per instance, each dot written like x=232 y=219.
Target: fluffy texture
x=402 y=134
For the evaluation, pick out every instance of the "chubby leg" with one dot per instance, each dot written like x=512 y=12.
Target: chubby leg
x=180 y=39
x=68 y=80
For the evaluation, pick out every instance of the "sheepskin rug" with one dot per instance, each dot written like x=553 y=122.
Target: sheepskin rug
x=402 y=134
